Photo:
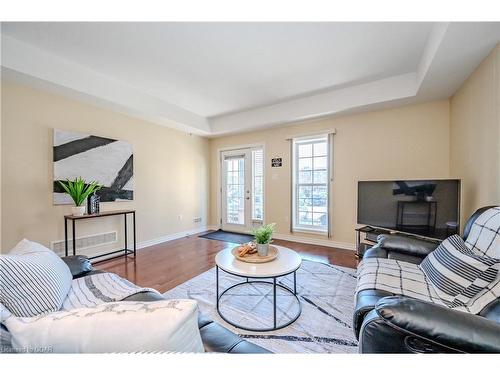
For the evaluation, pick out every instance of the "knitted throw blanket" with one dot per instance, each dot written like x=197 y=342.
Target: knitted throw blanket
x=93 y=290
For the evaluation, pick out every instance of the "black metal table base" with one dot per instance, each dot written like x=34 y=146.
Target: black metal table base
x=107 y=256
x=260 y=280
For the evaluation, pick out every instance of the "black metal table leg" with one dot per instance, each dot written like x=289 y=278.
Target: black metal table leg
x=258 y=280
x=126 y=239
x=135 y=241
x=74 y=238
x=65 y=237
x=274 y=301
x=295 y=282
x=217 y=285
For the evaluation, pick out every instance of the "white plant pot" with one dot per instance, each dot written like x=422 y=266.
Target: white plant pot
x=78 y=210
x=263 y=249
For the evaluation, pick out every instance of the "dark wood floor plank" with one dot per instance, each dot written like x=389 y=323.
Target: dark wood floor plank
x=169 y=264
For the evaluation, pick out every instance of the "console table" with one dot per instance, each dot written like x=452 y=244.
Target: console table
x=75 y=218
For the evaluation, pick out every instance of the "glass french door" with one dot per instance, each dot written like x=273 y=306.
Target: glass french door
x=242 y=189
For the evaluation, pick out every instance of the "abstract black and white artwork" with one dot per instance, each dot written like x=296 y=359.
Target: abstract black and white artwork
x=107 y=161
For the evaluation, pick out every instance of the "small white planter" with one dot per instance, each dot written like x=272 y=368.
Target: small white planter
x=78 y=210
x=263 y=249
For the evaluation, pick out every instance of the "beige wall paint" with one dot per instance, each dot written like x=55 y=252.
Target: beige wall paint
x=1 y=131
x=406 y=142
x=171 y=169
x=475 y=135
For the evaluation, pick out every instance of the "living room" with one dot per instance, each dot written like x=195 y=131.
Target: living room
x=250 y=187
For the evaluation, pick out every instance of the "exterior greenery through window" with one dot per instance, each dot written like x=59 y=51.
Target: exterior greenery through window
x=310 y=190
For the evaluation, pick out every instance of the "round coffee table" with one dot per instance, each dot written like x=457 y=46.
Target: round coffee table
x=287 y=262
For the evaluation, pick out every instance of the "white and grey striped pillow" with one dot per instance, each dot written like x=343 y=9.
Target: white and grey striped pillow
x=34 y=280
x=456 y=273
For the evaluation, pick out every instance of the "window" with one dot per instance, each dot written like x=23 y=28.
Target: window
x=257 y=185
x=235 y=187
x=310 y=190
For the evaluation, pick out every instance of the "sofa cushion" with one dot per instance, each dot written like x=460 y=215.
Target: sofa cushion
x=34 y=280
x=456 y=273
x=404 y=257
x=169 y=326
x=396 y=277
x=484 y=235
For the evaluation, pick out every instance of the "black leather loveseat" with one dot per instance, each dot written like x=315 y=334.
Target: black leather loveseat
x=388 y=323
x=215 y=337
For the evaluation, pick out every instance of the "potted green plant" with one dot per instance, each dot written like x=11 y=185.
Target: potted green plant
x=78 y=189
x=263 y=237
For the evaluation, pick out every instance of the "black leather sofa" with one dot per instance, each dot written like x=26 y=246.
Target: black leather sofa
x=215 y=337
x=388 y=323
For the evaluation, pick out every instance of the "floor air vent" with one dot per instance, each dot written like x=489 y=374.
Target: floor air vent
x=86 y=242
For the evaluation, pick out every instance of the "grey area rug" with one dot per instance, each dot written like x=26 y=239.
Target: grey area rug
x=221 y=235
x=326 y=293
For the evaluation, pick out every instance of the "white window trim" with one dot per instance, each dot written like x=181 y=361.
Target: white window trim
x=253 y=184
x=302 y=227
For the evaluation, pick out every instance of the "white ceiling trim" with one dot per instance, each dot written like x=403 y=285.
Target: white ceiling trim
x=317 y=106
x=390 y=89
x=451 y=53
x=74 y=80
x=434 y=41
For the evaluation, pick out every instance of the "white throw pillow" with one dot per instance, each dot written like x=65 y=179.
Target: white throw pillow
x=170 y=325
x=34 y=280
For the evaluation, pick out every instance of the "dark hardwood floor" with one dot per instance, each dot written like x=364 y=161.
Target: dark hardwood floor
x=169 y=264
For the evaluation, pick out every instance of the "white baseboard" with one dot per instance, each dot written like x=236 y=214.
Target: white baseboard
x=174 y=236
x=308 y=240
x=315 y=241
x=279 y=236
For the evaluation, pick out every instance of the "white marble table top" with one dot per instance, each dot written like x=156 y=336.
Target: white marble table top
x=286 y=262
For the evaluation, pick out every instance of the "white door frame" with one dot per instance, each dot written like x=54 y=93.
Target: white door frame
x=220 y=150
x=244 y=198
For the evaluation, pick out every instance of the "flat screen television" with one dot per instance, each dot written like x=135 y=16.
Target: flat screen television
x=429 y=208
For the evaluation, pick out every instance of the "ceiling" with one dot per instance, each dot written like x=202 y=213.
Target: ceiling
x=219 y=78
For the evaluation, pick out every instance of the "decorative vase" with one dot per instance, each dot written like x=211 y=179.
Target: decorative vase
x=78 y=210
x=263 y=249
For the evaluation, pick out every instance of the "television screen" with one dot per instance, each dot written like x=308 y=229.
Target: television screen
x=429 y=208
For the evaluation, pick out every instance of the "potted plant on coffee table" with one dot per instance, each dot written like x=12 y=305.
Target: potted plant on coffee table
x=79 y=190
x=263 y=237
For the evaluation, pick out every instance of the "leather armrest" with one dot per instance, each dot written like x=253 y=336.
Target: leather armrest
x=457 y=330
x=406 y=245
x=79 y=265
x=217 y=338
x=375 y=252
